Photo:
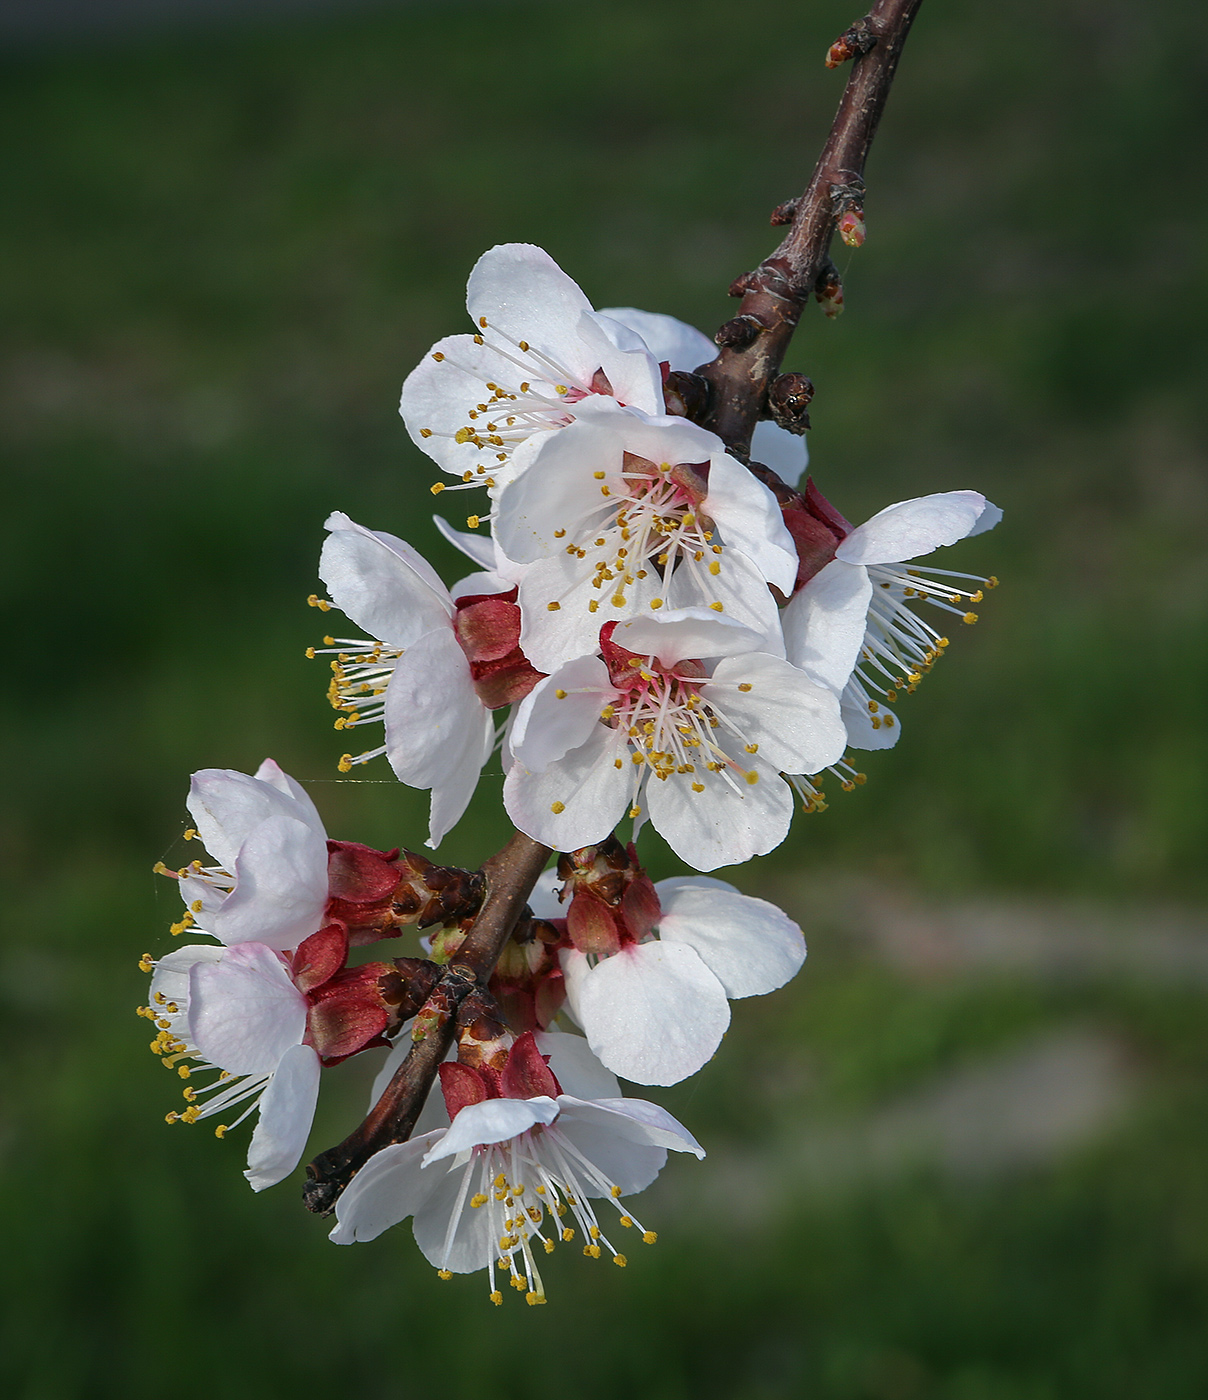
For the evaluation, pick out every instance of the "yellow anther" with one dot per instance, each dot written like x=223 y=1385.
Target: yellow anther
x=314 y=601
x=497 y=1298
x=437 y=487
x=717 y=607
x=444 y=1273
x=438 y=356
x=549 y=1246
x=656 y=603
x=599 y=476
x=567 y=1235
x=592 y=1251
x=553 y=607
x=698 y=787
x=557 y=808
x=145 y=964
x=220 y=1131
x=649 y=1237
x=635 y=812
x=472 y=521
x=560 y=694
x=615 y=1192
x=752 y=777
x=626 y=1221
x=477 y=1201
x=744 y=685
x=715 y=567
x=594 y=1232
x=619 y=1260
x=345 y=763
x=970 y=618
x=425 y=432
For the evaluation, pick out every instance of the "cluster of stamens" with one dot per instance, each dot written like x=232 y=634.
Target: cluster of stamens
x=528 y=1186
x=360 y=671
x=899 y=647
x=651 y=525
x=510 y=413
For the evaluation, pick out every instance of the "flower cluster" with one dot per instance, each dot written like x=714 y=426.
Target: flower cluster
x=654 y=631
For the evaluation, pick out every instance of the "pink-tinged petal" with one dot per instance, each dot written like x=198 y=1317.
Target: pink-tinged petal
x=990 y=516
x=590 y=792
x=786 y=453
x=494 y=1120
x=384 y=585
x=545 y=727
x=244 y=1012
x=523 y=293
x=685 y=634
x=910 y=528
x=861 y=733
x=226 y=806
x=824 y=623
x=749 y=519
x=272 y=773
x=287 y=1109
x=794 y=721
x=468 y=1246
x=387 y=1189
x=280 y=887
x=723 y=825
x=575 y=1067
x=682 y=346
x=653 y=1014
x=749 y=945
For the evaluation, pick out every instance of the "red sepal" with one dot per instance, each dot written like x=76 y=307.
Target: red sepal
x=640 y=907
x=592 y=926
x=527 y=1073
x=358 y=874
x=462 y=1086
x=348 y=1014
x=319 y=957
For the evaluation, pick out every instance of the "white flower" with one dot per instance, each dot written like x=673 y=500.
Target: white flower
x=853 y=627
x=662 y=721
x=238 y=1011
x=504 y=1182
x=683 y=347
x=620 y=514
x=538 y=349
x=655 y=1011
x=416 y=673
x=269 y=881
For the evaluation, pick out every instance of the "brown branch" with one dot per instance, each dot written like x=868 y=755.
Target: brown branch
x=773 y=296
x=510 y=878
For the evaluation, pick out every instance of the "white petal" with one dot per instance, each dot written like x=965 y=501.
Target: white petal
x=748 y=944
x=631 y=370
x=653 y=1013
x=858 y=722
x=543 y=901
x=742 y=591
x=382 y=583
x=280 y=886
x=990 y=516
x=475 y=585
x=387 y=1189
x=910 y=528
x=824 y=623
x=786 y=453
x=479 y=548
x=749 y=520
x=591 y=792
x=794 y=721
x=681 y=345
x=683 y=634
x=721 y=826
x=546 y=727
x=522 y=292
x=471 y=1246
x=493 y=1120
x=287 y=1109
x=171 y=976
x=574 y=1066
x=633 y=1121
x=438 y=732
x=245 y=1012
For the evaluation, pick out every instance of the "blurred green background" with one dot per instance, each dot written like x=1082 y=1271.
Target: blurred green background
x=964 y=1156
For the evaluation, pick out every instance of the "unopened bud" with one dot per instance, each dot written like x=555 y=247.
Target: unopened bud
x=828 y=290
x=739 y=332
x=851 y=226
x=482 y=1037
x=788 y=401
x=786 y=212
x=685 y=395
x=851 y=44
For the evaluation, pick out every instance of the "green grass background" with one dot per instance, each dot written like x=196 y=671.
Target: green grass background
x=223 y=252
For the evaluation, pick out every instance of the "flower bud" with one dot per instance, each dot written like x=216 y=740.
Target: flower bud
x=851 y=226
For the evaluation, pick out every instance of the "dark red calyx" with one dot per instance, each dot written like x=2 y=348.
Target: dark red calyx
x=319 y=957
x=527 y=1074
x=592 y=926
x=527 y=980
x=463 y=1086
x=361 y=883
x=431 y=894
x=409 y=986
x=613 y=900
x=487 y=626
x=349 y=1013
x=816 y=526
